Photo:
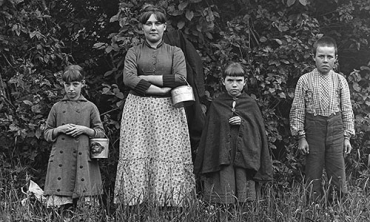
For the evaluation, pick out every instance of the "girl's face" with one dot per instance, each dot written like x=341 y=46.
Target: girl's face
x=234 y=85
x=73 y=89
x=153 y=29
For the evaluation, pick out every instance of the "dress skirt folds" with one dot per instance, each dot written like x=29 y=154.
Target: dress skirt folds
x=155 y=156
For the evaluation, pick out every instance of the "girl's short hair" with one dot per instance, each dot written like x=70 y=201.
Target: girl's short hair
x=148 y=10
x=234 y=69
x=73 y=73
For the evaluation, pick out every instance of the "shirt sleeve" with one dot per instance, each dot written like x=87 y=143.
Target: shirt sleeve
x=96 y=123
x=50 y=125
x=346 y=107
x=297 y=112
x=178 y=77
x=130 y=77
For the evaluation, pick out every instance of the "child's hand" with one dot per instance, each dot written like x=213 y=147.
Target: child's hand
x=63 y=129
x=235 y=120
x=76 y=130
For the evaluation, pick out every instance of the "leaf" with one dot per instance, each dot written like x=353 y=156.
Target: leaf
x=290 y=2
x=364 y=68
x=356 y=87
x=108 y=73
x=209 y=35
x=38 y=133
x=16 y=2
x=263 y=39
x=13 y=127
x=183 y=5
x=180 y=24
x=119 y=103
x=32 y=34
x=303 y=2
x=36 y=108
x=108 y=49
x=27 y=102
x=99 y=45
x=106 y=91
x=189 y=15
x=195 y=1
x=278 y=41
x=120 y=95
x=114 y=18
x=282 y=95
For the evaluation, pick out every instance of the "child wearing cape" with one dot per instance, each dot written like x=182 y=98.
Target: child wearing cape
x=233 y=153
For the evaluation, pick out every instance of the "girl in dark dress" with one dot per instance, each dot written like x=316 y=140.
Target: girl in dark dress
x=71 y=174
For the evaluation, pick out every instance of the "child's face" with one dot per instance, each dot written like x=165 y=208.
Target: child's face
x=73 y=89
x=234 y=85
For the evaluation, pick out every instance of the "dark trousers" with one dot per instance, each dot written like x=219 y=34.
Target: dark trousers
x=326 y=143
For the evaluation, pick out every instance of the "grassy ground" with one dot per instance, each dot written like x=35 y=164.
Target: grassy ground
x=276 y=204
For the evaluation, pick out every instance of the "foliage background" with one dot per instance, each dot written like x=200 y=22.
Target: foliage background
x=272 y=39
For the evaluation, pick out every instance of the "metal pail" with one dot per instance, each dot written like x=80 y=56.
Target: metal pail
x=99 y=147
x=182 y=96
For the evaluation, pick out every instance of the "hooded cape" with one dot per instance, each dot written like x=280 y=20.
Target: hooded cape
x=252 y=152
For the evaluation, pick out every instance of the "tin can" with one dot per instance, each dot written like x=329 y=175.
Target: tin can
x=99 y=147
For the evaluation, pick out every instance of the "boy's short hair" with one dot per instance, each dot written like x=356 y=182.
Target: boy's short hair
x=148 y=10
x=73 y=73
x=234 y=69
x=325 y=41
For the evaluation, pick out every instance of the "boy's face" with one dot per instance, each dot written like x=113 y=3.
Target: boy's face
x=325 y=58
x=234 y=84
x=73 y=89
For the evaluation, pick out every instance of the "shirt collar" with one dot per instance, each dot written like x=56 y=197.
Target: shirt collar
x=318 y=73
x=158 y=46
x=81 y=98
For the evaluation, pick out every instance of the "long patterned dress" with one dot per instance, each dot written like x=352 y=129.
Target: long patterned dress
x=155 y=156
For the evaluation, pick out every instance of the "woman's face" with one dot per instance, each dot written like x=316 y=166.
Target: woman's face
x=153 y=29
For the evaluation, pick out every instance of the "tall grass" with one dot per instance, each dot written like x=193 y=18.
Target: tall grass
x=276 y=204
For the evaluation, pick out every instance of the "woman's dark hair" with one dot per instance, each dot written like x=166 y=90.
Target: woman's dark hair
x=234 y=69
x=73 y=73
x=148 y=10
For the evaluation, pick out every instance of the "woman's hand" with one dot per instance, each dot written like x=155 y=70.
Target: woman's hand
x=166 y=90
x=235 y=120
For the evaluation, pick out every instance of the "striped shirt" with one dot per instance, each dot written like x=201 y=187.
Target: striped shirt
x=308 y=98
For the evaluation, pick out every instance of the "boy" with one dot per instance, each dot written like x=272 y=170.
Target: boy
x=322 y=118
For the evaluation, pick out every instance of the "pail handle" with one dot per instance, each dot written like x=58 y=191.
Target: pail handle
x=183 y=78
x=105 y=136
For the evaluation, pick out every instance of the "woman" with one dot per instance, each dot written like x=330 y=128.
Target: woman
x=155 y=155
